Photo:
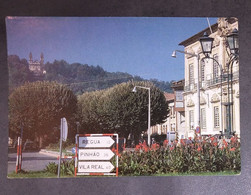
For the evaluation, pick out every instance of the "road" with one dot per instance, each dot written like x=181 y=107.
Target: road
x=32 y=161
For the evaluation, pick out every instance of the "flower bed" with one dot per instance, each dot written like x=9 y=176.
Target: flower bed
x=200 y=155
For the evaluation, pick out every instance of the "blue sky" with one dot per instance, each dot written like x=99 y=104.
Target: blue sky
x=141 y=46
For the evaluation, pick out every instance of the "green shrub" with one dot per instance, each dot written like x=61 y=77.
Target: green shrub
x=52 y=167
x=66 y=168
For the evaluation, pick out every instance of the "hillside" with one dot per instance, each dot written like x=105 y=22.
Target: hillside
x=79 y=77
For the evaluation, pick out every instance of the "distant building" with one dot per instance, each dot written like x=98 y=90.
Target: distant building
x=35 y=66
x=170 y=124
x=179 y=108
x=174 y=126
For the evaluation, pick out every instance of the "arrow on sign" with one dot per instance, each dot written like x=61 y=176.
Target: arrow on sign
x=95 y=167
x=95 y=154
x=96 y=142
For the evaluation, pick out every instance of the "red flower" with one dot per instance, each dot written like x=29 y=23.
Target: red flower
x=171 y=148
x=145 y=149
x=212 y=139
x=199 y=149
x=232 y=149
x=165 y=143
x=137 y=147
x=215 y=143
x=233 y=139
x=113 y=149
x=155 y=146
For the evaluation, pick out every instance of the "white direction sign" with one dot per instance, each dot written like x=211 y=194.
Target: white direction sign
x=95 y=142
x=95 y=154
x=95 y=167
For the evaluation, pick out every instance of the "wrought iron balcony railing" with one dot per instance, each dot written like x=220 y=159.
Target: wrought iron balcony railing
x=210 y=81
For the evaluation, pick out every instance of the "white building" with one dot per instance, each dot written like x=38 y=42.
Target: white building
x=179 y=109
x=214 y=93
x=174 y=126
x=170 y=124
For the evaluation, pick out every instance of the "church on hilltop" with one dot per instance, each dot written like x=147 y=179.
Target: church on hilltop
x=35 y=66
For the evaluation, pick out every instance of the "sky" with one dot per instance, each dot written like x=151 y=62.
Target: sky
x=140 y=46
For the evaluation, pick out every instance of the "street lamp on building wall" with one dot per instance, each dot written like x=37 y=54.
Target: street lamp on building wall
x=198 y=84
x=233 y=44
x=149 y=112
x=207 y=45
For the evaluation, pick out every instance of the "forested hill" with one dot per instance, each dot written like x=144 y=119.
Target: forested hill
x=79 y=77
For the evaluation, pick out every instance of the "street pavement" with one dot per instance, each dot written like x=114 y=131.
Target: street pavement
x=32 y=161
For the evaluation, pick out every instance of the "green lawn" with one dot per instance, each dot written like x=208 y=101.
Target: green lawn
x=201 y=174
x=42 y=174
x=31 y=174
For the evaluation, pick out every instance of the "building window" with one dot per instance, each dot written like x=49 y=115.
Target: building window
x=191 y=119
x=179 y=96
x=182 y=117
x=165 y=129
x=203 y=70
x=203 y=118
x=173 y=127
x=216 y=117
x=215 y=66
x=191 y=74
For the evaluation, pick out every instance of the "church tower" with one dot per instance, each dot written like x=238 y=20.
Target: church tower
x=30 y=58
x=36 y=66
x=42 y=59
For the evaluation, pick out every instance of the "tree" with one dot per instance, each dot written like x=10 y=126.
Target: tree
x=90 y=112
x=118 y=109
x=129 y=111
x=19 y=72
x=38 y=107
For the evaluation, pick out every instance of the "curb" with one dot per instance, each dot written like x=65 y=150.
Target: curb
x=52 y=153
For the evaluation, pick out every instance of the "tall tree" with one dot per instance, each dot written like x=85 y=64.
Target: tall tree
x=38 y=107
x=118 y=109
x=19 y=72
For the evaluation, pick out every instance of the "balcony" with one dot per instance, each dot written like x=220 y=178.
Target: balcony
x=209 y=82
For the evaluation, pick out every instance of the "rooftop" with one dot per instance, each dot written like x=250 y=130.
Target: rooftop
x=169 y=96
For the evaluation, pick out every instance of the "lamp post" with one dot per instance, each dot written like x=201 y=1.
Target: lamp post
x=233 y=43
x=198 y=84
x=149 y=111
x=207 y=45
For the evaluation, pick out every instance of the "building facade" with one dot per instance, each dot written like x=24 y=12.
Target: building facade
x=219 y=106
x=174 y=126
x=170 y=123
x=35 y=66
x=179 y=109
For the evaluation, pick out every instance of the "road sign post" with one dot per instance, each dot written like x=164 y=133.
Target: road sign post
x=18 y=156
x=63 y=137
x=93 y=154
